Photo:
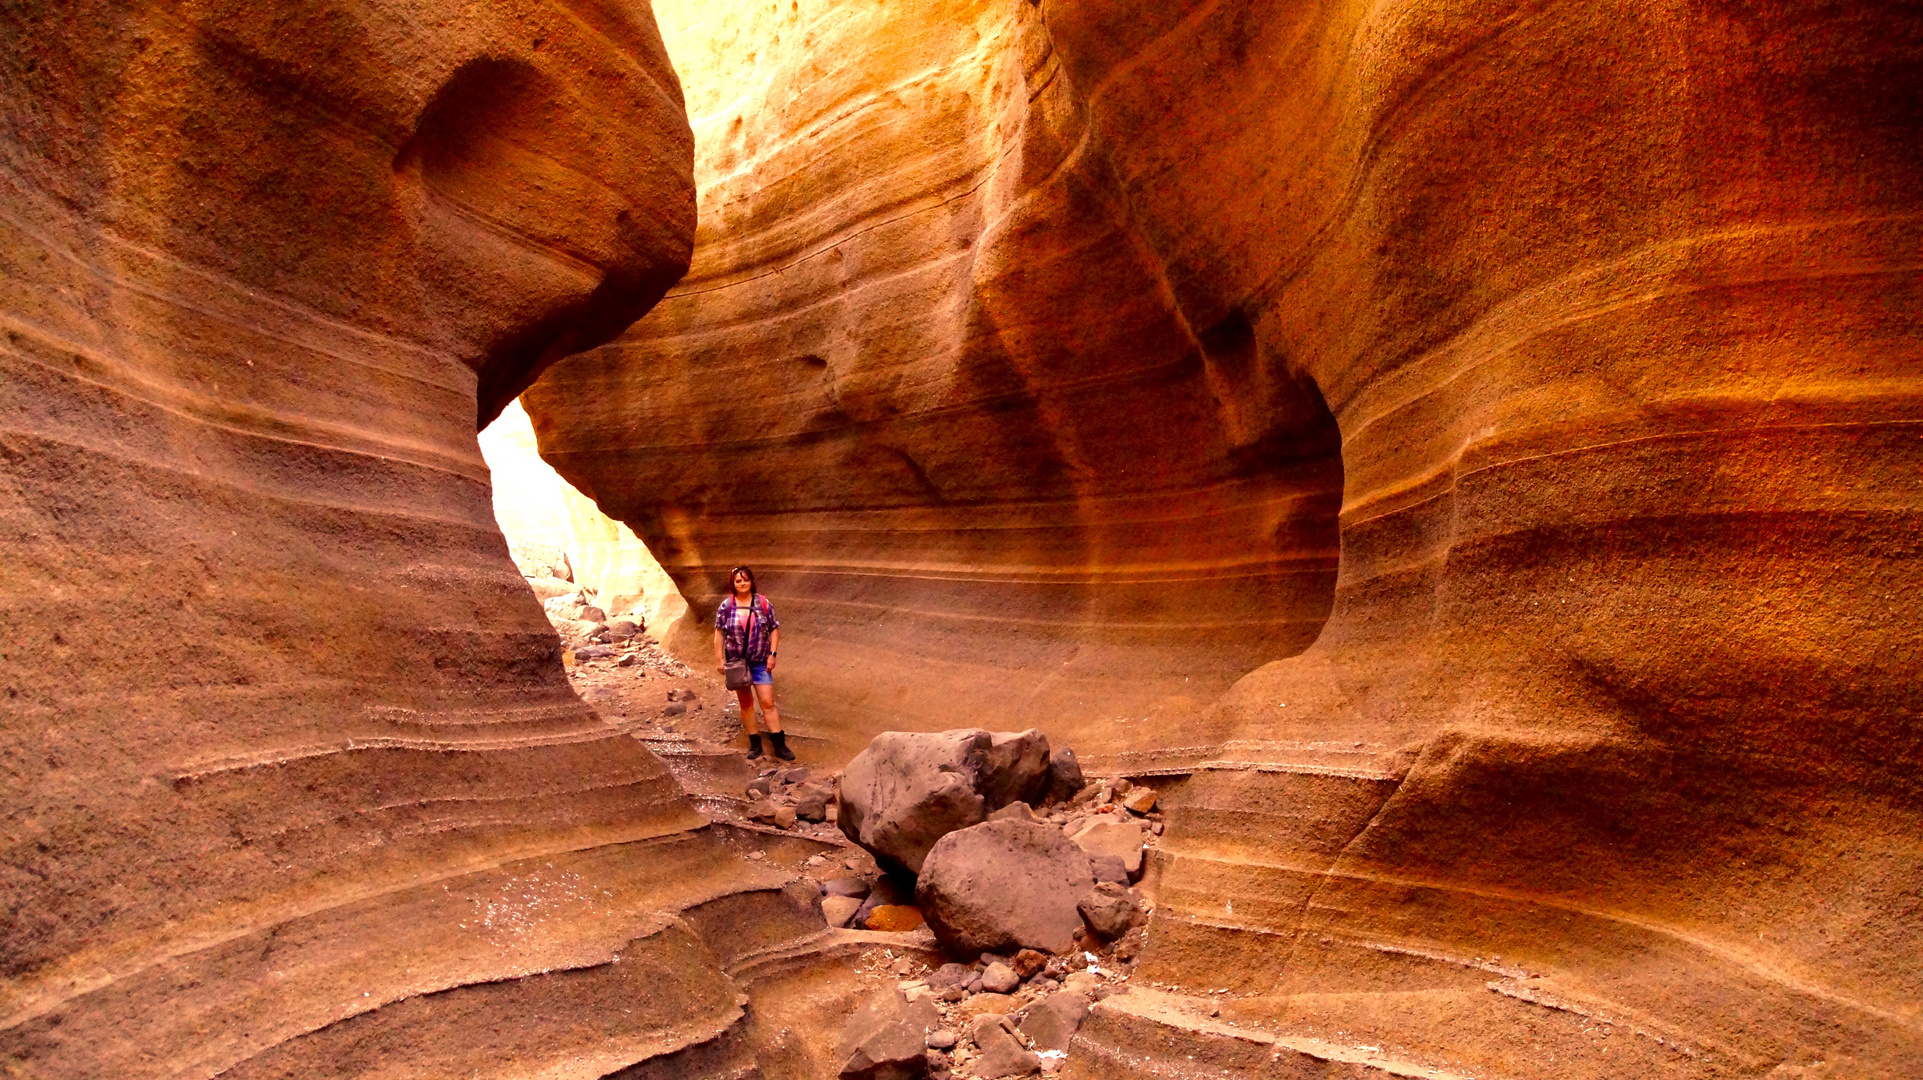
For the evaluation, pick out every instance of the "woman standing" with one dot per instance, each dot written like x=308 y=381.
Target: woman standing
x=745 y=628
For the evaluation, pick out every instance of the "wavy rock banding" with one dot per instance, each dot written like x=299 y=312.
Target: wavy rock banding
x=1037 y=354
x=294 y=780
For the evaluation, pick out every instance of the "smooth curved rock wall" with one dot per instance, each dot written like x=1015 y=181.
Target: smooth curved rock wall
x=1604 y=761
x=1617 y=309
x=294 y=783
x=926 y=377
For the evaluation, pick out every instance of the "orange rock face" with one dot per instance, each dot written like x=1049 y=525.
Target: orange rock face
x=294 y=783
x=1027 y=349
x=927 y=376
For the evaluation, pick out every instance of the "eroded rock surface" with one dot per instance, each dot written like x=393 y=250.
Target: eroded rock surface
x=295 y=783
x=1081 y=329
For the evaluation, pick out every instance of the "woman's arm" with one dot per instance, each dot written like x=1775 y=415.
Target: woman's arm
x=720 y=657
x=774 y=644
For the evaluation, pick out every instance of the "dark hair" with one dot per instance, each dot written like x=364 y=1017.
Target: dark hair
x=741 y=570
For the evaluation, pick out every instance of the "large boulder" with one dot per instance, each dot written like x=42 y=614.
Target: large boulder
x=1004 y=885
x=886 y=1038
x=909 y=789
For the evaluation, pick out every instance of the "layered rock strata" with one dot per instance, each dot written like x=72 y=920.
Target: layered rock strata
x=1027 y=348
x=927 y=377
x=294 y=783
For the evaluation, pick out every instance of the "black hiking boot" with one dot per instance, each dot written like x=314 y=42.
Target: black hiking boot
x=754 y=748
x=780 y=739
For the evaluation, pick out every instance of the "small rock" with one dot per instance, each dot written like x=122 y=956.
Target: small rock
x=759 y=787
x=1018 y=811
x=1156 y=828
x=626 y=661
x=1109 y=868
x=1000 y=978
x=1078 y=982
x=895 y=918
x=798 y=775
x=886 y=1038
x=1114 y=838
x=942 y=1039
x=622 y=630
x=949 y=975
x=1028 y=962
x=784 y=817
x=1109 y=914
x=675 y=709
x=1052 y=1021
x=1120 y=785
x=1141 y=800
x=986 y=1004
x=1001 y=1052
x=592 y=652
x=811 y=802
x=761 y=810
x=847 y=886
x=837 y=910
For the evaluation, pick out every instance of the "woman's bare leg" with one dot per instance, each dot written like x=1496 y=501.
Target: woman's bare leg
x=747 y=702
x=769 y=714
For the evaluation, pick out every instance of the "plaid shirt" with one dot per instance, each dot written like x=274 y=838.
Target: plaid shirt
x=744 y=632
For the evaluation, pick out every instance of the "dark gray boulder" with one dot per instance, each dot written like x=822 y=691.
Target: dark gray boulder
x=1002 y=886
x=908 y=790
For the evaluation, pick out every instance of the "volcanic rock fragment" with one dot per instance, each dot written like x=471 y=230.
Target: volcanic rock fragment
x=1051 y=1021
x=1110 y=910
x=1004 y=885
x=1002 y=1053
x=886 y=1038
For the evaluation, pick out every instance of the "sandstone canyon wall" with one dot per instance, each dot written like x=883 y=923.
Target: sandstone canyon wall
x=928 y=379
x=1037 y=354
x=294 y=783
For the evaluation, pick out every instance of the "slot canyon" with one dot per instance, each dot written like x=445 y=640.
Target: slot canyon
x=1466 y=459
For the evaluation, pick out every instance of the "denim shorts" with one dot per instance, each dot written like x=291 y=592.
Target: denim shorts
x=760 y=675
